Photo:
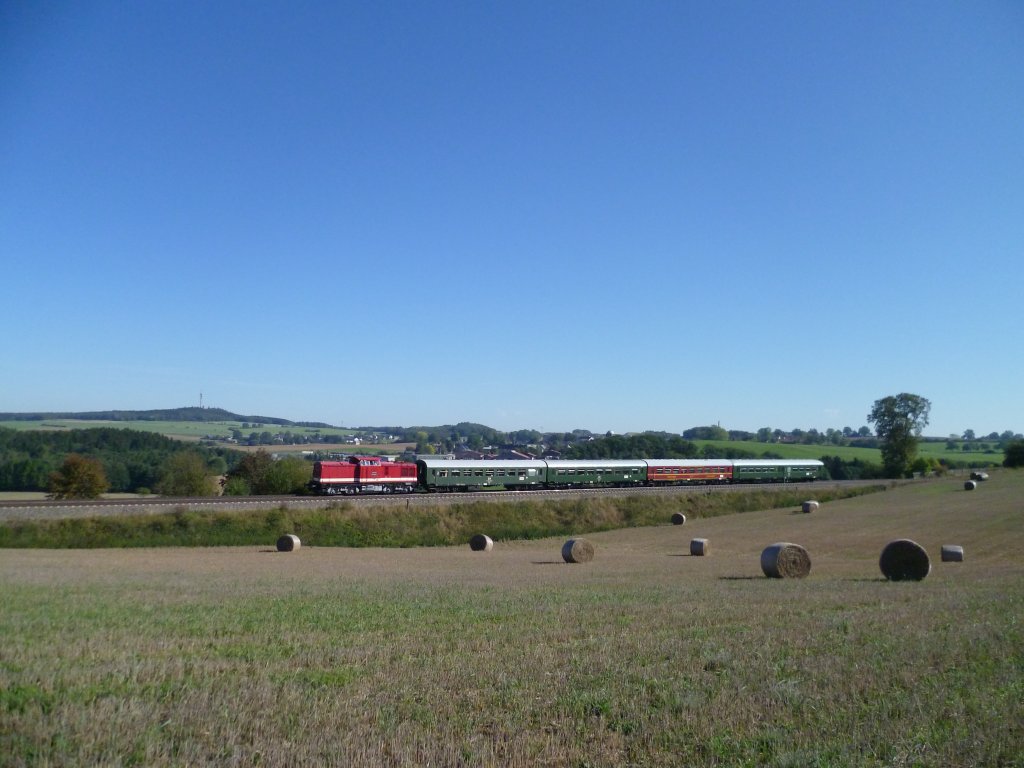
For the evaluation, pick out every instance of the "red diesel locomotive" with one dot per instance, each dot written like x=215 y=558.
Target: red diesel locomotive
x=363 y=474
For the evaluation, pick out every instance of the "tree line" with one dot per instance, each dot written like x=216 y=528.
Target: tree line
x=85 y=463
x=655 y=445
x=131 y=460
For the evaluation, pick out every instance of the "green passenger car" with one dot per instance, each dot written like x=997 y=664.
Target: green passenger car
x=776 y=470
x=458 y=475
x=596 y=472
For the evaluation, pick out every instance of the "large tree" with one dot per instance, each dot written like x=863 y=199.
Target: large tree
x=899 y=420
x=185 y=474
x=1014 y=454
x=249 y=475
x=79 y=477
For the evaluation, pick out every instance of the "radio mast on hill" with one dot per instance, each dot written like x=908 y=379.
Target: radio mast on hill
x=200 y=401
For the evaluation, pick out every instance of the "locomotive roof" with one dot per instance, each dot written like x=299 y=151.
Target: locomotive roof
x=777 y=463
x=689 y=462
x=595 y=463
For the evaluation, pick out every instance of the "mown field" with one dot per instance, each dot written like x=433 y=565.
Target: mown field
x=443 y=656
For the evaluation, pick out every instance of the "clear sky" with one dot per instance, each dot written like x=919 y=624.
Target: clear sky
x=546 y=215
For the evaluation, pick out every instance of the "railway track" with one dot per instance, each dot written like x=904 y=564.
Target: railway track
x=53 y=510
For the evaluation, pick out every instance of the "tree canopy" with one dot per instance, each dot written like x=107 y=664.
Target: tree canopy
x=185 y=474
x=79 y=477
x=1014 y=454
x=131 y=459
x=899 y=421
x=258 y=473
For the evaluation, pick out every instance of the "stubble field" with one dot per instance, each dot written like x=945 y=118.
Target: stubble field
x=443 y=656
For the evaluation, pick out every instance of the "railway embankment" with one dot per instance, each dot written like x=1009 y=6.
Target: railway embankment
x=419 y=520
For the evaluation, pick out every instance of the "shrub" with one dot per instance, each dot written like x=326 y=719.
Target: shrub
x=1014 y=454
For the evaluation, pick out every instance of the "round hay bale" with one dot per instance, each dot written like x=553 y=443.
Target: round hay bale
x=785 y=561
x=952 y=553
x=288 y=543
x=481 y=543
x=698 y=547
x=577 y=551
x=678 y=518
x=904 y=560
x=810 y=506
x=970 y=485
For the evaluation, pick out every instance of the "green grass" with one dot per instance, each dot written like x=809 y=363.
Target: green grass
x=959 y=457
x=443 y=656
x=935 y=450
x=181 y=429
x=797 y=451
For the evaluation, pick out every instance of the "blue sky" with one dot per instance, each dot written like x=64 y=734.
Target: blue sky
x=548 y=215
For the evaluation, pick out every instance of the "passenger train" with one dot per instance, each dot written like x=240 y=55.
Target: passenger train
x=371 y=474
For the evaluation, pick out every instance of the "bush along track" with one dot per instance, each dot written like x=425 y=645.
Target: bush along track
x=345 y=525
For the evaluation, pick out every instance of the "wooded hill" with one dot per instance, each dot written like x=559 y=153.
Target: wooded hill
x=131 y=459
x=163 y=414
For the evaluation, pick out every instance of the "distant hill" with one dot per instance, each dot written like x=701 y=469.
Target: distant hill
x=163 y=414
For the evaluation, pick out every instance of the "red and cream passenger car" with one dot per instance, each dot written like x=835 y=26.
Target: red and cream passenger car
x=682 y=471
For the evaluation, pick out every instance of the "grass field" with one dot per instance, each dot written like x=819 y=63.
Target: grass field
x=797 y=451
x=936 y=450
x=182 y=429
x=443 y=656
x=976 y=458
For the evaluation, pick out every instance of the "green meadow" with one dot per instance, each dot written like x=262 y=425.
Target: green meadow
x=181 y=429
x=927 y=449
